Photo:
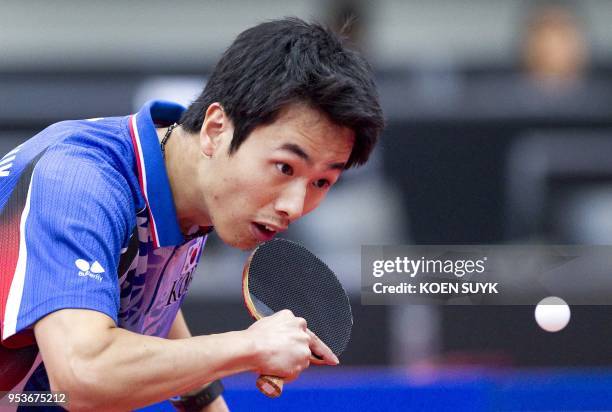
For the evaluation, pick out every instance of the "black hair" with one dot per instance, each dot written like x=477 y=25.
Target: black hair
x=281 y=62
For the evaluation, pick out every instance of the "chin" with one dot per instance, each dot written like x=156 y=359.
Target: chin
x=241 y=243
x=245 y=246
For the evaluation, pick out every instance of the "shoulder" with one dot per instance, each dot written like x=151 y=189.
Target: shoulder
x=105 y=142
x=103 y=139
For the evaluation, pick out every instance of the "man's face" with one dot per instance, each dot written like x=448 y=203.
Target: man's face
x=281 y=172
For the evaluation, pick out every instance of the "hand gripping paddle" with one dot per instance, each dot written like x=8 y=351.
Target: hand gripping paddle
x=281 y=274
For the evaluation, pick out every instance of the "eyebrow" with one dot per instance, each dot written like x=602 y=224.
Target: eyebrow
x=298 y=151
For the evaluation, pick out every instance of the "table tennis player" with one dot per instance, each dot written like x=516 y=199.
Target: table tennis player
x=103 y=221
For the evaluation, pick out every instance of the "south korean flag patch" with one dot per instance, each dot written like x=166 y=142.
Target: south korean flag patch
x=191 y=260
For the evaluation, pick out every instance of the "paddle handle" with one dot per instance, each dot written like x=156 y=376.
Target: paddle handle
x=271 y=386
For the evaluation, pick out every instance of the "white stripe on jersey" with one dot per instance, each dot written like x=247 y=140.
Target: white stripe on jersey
x=7 y=159
x=144 y=175
x=13 y=301
x=12 y=152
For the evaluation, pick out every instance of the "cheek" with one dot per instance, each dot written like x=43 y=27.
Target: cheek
x=243 y=189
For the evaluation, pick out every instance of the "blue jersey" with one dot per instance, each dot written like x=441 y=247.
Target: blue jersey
x=87 y=221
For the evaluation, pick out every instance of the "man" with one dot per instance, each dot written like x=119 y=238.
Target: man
x=102 y=221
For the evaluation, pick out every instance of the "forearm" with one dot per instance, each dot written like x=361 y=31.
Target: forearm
x=134 y=370
x=103 y=367
x=180 y=330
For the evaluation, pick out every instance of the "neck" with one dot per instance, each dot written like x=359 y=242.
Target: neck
x=181 y=158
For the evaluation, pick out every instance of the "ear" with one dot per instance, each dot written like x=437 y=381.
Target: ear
x=216 y=125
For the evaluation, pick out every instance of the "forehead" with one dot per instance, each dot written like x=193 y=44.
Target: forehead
x=313 y=131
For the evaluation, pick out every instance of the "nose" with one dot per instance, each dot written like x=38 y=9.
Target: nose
x=291 y=201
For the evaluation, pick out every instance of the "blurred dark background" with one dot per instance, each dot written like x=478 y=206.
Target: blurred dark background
x=499 y=131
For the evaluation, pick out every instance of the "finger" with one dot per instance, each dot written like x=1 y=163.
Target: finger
x=285 y=312
x=292 y=376
x=324 y=355
x=290 y=379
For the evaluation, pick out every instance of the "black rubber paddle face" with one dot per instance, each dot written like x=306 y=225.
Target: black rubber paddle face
x=285 y=275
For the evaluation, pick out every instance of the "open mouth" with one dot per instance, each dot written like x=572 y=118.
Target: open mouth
x=262 y=232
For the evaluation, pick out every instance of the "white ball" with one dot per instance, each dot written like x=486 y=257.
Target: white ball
x=552 y=314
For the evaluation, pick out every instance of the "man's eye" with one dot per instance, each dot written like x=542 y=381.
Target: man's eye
x=321 y=183
x=285 y=169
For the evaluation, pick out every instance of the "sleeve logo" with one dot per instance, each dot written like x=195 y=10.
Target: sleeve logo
x=90 y=270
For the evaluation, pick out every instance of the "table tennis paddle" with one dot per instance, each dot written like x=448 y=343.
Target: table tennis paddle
x=281 y=274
